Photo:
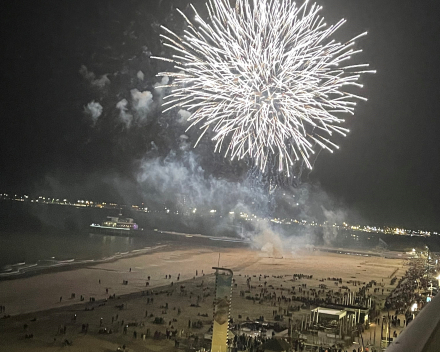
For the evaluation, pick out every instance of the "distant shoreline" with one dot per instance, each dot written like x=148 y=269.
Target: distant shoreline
x=198 y=235
x=348 y=251
x=21 y=270
x=66 y=265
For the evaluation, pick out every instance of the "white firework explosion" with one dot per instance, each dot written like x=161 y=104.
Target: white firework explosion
x=265 y=78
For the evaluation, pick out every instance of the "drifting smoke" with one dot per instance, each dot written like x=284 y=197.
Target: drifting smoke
x=95 y=82
x=241 y=207
x=142 y=103
x=332 y=218
x=101 y=82
x=181 y=176
x=268 y=241
x=94 y=110
x=124 y=116
x=184 y=115
x=140 y=75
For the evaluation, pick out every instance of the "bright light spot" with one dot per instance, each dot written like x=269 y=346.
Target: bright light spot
x=238 y=104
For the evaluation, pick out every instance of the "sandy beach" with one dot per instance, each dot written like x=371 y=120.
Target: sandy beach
x=41 y=292
x=35 y=307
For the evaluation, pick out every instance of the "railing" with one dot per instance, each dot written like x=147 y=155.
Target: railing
x=423 y=333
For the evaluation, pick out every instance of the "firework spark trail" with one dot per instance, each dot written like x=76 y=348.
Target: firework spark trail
x=265 y=77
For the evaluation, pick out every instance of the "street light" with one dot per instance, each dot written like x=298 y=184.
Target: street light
x=413 y=307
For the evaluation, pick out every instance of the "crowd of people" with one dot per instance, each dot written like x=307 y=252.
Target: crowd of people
x=408 y=292
x=286 y=294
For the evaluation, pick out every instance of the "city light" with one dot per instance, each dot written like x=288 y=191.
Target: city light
x=187 y=209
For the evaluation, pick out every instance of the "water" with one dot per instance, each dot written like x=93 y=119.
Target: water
x=35 y=237
x=30 y=251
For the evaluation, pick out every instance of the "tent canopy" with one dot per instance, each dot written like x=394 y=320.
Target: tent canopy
x=276 y=345
x=332 y=313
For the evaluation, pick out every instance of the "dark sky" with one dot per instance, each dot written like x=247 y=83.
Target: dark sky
x=387 y=168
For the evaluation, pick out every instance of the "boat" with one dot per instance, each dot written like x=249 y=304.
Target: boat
x=116 y=226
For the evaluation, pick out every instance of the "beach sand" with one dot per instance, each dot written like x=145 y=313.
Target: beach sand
x=41 y=294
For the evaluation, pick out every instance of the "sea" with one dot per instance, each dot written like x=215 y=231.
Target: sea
x=38 y=237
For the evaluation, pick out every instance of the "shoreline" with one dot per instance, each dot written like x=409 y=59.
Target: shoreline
x=54 y=288
x=174 y=240
x=225 y=242
x=170 y=239
x=68 y=265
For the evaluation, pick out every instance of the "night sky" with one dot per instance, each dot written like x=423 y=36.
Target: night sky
x=387 y=168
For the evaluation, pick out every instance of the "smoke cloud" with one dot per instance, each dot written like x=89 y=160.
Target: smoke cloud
x=94 y=110
x=140 y=75
x=277 y=223
x=142 y=103
x=125 y=117
x=332 y=218
x=100 y=82
x=181 y=176
x=184 y=115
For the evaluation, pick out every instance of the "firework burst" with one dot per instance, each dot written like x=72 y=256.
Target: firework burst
x=265 y=78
